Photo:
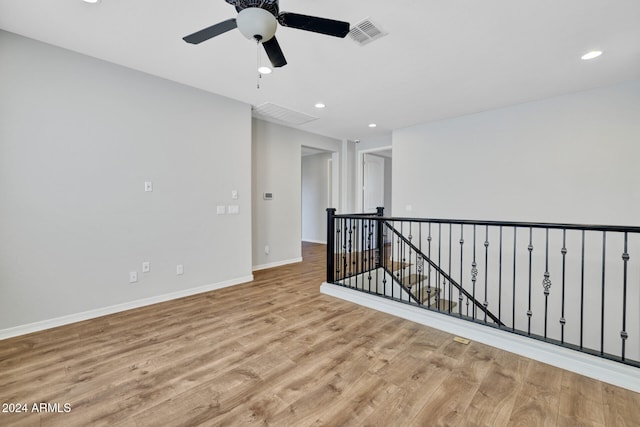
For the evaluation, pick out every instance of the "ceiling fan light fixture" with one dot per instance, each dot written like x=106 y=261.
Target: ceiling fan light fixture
x=264 y=70
x=591 y=55
x=255 y=23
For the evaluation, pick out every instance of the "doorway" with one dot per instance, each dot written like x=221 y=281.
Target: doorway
x=374 y=180
x=320 y=190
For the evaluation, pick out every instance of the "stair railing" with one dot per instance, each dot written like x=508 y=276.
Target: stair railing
x=573 y=285
x=441 y=273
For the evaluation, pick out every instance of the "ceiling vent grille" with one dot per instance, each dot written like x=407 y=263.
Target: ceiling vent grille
x=273 y=112
x=365 y=32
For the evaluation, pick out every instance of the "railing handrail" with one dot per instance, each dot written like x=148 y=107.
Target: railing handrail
x=442 y=272
x=515 y=224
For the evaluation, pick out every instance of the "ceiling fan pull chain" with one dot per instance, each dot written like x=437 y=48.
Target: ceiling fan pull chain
x=259 y=76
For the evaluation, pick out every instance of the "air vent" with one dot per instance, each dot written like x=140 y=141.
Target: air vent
x=273 y=112
x=365 y=32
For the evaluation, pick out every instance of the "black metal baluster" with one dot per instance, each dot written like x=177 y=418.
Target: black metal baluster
x=420 y=265
x=474 y=272
x=450 y=297
x=353 y=241
x=408 y=279
x=604 y=256
x=438 y=288
x=530 y=249
x=337 y=256
x=398 y=272
x=582 y=294
x=369 y=250
x=345 y=253
x=344 y=250
x=369 y=235
x=563 y=321
x=460 y=298
x=513 y=304
x=361 y=253
x=546 y=283
x=623 y=334
x=389 y=268
x=378 y=253
x=485 y=303
x=500 y=282
x=429 y=274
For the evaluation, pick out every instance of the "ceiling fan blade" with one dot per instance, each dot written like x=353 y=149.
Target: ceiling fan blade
x=274 y=52
x=326 y=26
x=210 y=32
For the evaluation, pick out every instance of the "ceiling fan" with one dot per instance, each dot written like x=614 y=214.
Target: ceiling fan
x=258 y=20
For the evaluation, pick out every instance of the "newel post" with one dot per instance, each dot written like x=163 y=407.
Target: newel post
x=331 y=235
x=379 y=236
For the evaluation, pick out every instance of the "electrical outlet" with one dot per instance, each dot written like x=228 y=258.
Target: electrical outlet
x=133 y=277
x=234 y=194
x=179 y=269
x=267 y=250
x=146 y=267
x=148 y=186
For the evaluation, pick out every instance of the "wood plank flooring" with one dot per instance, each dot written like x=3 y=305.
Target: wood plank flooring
x=277 y=352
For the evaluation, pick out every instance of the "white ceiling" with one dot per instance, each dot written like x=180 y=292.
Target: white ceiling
x=441 y=58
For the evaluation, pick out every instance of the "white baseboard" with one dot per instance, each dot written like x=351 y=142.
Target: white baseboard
x=584 y=364
x=99 y=312
x=276 y=264
x=322 y=242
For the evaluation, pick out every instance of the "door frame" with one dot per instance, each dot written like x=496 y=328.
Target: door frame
x=360 y=170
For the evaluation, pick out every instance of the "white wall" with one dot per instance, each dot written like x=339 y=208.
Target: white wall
x=315 y=192
x=276 y=163
x=374 y=141
x=388 y=186
x=567 y=159
x=78 y=139
x=348 y=178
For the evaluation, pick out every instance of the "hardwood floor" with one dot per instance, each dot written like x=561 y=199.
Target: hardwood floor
x=277 y=352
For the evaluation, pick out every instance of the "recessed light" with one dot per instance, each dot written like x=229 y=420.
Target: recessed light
x=264 y=70
x=320 y=105
x=592 y=54
x=92 y=1
x=372 y=125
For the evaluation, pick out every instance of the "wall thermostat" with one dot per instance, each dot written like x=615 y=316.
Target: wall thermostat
x=267 y=196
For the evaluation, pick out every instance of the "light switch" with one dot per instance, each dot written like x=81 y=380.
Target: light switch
x=179 y=269
x=221 y=210
x=234 y=194
x=234 y=209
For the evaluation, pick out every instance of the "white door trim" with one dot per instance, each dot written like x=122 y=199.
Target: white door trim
x=359 y=171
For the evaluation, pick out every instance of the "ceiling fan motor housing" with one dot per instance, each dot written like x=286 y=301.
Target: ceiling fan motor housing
x=257 y=24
